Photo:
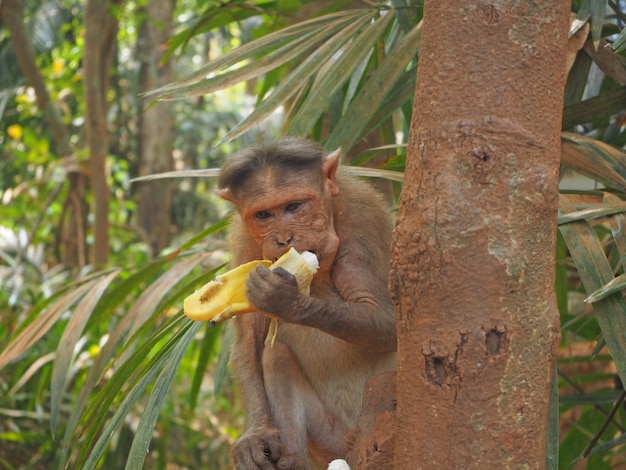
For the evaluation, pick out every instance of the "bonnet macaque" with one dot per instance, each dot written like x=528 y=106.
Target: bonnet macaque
x=303 y=394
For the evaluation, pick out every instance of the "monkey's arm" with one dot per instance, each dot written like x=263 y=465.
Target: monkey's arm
x=246 y=358
x=360 y=313
x=260 y=446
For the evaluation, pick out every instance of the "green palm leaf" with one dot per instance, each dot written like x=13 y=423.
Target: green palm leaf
x=373 y=94
x=265 y=54
x=68 y=341
x=595 y=272
x=596 y=159
x=149 y=417
x=336 y=73
x=301 y=76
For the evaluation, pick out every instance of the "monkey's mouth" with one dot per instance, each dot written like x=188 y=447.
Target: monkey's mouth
x=299 y=251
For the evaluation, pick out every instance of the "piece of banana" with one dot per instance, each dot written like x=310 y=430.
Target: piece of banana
x=225 y=297
x=302 y=265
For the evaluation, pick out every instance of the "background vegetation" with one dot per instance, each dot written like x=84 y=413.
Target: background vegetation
x=97 y=363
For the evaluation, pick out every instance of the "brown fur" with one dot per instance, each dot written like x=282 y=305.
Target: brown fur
x=304 y=394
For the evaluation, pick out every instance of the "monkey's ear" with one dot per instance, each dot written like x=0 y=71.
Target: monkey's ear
x=226 y=194
x=329 y=168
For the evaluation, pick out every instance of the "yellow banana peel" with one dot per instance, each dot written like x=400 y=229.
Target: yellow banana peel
x=225 y=297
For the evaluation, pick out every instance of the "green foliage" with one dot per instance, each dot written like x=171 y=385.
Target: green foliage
x=345 y=59
x=122 y=335
x=591 y=225
x=98 y=368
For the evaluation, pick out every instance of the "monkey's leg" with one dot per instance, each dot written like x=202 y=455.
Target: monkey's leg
x=297 y=410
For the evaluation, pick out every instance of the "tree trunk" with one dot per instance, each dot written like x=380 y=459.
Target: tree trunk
x=474 y=249
x=72 y=233
x=156 y=125
x=100 y=32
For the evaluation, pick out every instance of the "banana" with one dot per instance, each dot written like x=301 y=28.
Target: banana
x=302 y=265
x=225 y=297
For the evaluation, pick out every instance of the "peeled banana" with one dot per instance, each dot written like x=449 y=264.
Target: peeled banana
x=225 y=297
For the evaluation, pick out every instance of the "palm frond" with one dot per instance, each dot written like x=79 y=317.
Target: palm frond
x=595 y=159
x=596 y=273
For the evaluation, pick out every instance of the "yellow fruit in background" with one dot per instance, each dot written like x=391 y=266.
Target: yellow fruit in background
x=15 y=131
x=58 y=65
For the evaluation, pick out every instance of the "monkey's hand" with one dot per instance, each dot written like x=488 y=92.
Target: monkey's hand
x=258 y=448
x=274 y=291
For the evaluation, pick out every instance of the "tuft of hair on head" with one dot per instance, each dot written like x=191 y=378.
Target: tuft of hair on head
x=290 y=154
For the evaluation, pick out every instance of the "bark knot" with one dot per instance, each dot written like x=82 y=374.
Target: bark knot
x=496 y=340
x=488 y=14
x=441 y=365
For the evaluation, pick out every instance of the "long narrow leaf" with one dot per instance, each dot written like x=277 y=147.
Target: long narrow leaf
x=408 y=12
x=594 y=109
x=68 y=341
x=211 y=334
x=399 y=95
x=618 y=228
x=221 y=369
x=612 y=287
x=593 y=212
x=143 y=307
x=613 y=443
x=552 y=442
x=323 y=89
x=254 y=49
x=217 y=16
x=130 y=399
x=617 y=224
x=248 y=71
x=377 y=173
x=595 y=271
x=133 y=374
x=350 y=128
x=215 y=228
x=598 y=160
x=300 y=77
x=43 y=305
x=619 y=45
x=150 y=414
x=150 y=299
x=42 y=324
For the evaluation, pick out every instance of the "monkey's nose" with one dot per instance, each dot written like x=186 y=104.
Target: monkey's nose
x=284 y=241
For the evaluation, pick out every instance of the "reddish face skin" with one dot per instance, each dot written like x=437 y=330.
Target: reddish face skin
x=282 y=213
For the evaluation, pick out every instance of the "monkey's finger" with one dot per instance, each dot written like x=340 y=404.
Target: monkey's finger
x=303 y=266
x=259 y=279
x=261 y=271
x=290 y=462
x=286 y=275
x=273 y=449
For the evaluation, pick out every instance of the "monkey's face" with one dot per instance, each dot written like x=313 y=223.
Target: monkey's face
x=294 y=212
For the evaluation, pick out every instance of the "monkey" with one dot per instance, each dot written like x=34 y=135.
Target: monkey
x=302 y=395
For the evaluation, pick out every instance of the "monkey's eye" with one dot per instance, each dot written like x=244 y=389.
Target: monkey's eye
x=293 y=206
x=262 y=215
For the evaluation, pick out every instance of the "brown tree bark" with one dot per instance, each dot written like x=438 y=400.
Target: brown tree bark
x=474 y=249
x=156 y=125
x=100 y=32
